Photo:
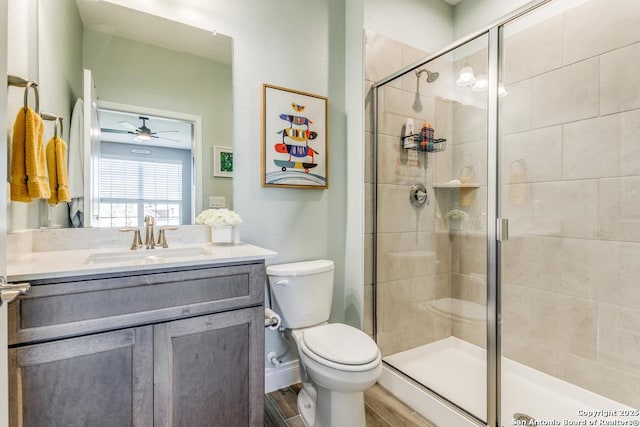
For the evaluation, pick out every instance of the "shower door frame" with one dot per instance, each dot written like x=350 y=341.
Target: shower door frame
x=497 y=227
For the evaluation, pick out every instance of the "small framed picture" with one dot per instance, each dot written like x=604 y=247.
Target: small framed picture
x=222 y=161
x=294 y=139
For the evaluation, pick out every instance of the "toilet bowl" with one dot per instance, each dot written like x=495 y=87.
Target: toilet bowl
x=337 y=361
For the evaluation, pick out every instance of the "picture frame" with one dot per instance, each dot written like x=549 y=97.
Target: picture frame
x=294 y=141
x=222 y=161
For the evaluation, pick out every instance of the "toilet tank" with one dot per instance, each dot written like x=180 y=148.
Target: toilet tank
x=301 y=292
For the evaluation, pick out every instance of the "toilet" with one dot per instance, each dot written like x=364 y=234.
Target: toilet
x=337 y=362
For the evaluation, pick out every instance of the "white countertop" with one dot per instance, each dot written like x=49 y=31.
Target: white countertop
x=55 y=264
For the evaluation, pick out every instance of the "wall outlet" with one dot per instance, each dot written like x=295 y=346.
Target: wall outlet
x=217 y=202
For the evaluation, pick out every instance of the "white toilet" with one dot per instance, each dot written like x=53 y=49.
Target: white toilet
x=337 y=362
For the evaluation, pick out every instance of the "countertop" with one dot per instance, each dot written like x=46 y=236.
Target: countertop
x=47 y=265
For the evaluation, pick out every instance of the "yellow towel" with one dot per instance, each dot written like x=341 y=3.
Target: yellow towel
x=28 y=164
x=57 y=166
x=19 y=191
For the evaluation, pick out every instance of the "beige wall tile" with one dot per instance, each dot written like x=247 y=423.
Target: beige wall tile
x=471 y=332
x=584 y=154
x=368 y=310
x=612 y=383
x=469 y=123
x=532 y=51
x=534 y=354
x=368 y=208
x=598 y=26
x=619 y=337
x=532 y=156
x=397 y=214
x=567 y=94
x=563 y=323
x=603 y=271
x=469 y=287
x=472 y=254
x=368 y=259
x=405 y=255
x=515 y=108
x=368 y=157
x=619 y=75
x=383 y=56
x=619 y=209
x=399 y=166
x=400 y=105
x=389 y=342
x=629 y=148
x=571 y=205
x=470 y=158
x=535 y=262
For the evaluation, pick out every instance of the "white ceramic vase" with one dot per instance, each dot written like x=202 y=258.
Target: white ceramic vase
x=224 y=234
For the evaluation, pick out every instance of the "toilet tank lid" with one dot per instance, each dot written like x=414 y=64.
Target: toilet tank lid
x=300 y=268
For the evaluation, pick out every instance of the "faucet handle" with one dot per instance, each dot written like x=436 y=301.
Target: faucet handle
x=162 y=239
x=137 y=240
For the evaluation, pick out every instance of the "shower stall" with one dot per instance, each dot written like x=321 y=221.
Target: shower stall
x=506 y=221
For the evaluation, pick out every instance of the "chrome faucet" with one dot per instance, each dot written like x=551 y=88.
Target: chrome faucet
x=149 y=241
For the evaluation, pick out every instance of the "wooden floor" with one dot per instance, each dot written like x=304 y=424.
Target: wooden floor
x=381 y=409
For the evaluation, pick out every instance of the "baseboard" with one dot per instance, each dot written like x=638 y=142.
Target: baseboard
x=282 y=376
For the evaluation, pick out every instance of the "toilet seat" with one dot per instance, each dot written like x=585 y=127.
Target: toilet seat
x=340 y=346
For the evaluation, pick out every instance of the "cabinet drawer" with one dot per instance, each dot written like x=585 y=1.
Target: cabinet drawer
x=80 y=306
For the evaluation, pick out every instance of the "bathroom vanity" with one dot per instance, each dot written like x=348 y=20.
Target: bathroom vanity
x=141 y=343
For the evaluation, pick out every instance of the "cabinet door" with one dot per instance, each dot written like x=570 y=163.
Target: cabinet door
x=209 y=370
x=98 y=380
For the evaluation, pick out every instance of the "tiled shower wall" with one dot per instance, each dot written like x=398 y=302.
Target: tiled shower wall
x=570 y=130
x=571 y=169
x=413 y=258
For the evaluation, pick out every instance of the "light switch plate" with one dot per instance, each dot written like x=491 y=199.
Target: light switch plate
x=217 y=202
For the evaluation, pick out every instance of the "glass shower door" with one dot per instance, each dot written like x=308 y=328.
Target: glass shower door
x=570 y=174
x=431 y=228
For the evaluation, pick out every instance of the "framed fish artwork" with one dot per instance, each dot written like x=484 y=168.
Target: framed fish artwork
x=294 y=139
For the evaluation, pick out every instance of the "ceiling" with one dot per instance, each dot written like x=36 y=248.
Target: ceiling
x=452 y=2
x=179 y=133
x=106 y=17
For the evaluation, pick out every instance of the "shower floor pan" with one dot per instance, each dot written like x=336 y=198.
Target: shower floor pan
x=457 y=371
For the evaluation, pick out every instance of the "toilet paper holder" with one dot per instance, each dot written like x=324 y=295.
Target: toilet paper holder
x=271 y=319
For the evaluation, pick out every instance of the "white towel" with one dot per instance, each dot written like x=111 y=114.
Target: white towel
x=76 y=165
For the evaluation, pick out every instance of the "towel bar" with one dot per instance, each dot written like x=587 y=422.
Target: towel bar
x=22 y=82
x=58 y=122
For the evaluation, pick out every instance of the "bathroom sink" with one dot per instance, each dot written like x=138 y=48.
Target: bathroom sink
x=145 y=255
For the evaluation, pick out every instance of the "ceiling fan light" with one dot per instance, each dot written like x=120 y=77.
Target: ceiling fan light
x=466 y=77
x=142 y=137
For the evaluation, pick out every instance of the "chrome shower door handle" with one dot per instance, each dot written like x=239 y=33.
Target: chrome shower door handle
x=9 y=291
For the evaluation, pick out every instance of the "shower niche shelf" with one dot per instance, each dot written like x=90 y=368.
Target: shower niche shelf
x=448 y=185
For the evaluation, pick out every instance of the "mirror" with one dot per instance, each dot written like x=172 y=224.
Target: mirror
x=143 y=66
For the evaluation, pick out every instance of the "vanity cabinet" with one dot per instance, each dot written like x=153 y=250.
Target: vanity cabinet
x=179 y=347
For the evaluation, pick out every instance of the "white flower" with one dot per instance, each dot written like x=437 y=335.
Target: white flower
x=218 y=217
x=456 y=214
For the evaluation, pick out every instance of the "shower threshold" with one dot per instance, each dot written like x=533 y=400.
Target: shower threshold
x=456 y=370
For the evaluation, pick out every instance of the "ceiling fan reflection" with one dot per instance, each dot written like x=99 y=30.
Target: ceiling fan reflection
x=142 y=133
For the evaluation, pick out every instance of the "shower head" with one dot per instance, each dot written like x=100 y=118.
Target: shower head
x=431 y=76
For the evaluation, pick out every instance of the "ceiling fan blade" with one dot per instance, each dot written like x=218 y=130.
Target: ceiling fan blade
x=167 y=139
x=116 y=131
x=129 y=126
x=164 y=131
